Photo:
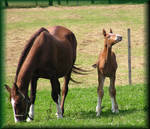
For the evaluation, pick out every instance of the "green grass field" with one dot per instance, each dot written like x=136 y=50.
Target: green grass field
x=87 y=23
x=80 y=109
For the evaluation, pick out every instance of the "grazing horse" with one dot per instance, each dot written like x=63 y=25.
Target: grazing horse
x=106 y=67
x=51 y=54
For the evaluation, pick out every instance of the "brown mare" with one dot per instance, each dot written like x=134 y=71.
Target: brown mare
x=106 y=67
x=51 y=54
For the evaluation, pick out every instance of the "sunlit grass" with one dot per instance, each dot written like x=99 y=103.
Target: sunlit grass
x=80 y=109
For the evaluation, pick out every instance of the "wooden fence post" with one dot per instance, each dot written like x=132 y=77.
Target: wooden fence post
x=129 y=57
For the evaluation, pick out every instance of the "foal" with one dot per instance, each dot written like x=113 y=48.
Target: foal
x=106 y=67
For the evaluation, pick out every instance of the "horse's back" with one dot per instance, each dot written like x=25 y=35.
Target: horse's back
x=64 y=35
x=59 y=32
x=57 y=50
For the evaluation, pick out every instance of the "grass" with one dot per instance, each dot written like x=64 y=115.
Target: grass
x=80 y=109
x=87 y=23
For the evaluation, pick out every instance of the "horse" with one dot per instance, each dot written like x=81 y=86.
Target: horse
x=49 y=53
x=106 y=67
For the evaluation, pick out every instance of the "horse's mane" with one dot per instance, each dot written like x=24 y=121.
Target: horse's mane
x=27 y=49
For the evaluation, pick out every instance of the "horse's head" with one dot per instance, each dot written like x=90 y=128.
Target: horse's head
x=20 y=103
x=111 y=38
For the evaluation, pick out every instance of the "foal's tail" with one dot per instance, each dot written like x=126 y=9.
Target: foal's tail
x=27 y=49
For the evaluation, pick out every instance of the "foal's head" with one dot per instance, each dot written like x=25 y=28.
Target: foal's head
x=110 y=38
x=20 y=103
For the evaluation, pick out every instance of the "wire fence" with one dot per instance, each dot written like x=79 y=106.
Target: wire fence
x=46 y=3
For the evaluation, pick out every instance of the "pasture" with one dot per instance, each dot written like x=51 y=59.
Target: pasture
x=87 y=23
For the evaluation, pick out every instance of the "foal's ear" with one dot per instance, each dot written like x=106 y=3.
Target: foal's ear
x=111 y=30
x=104 y=32
x=8 y=88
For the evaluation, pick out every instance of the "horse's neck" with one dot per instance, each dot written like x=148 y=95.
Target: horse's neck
x=23 y=84
x=24 y=76
x=107 y=51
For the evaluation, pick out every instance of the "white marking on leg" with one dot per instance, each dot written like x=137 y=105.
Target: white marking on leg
x=13 y=104
x=59 y=111
x=98 y=107
x=31 y=113
x=99 y=100
x=114 y=109
x=113 y=104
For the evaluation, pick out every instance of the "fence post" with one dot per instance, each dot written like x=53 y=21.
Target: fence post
x=129 y=57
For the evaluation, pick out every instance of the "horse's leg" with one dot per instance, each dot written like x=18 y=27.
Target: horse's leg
x=56 y=96
x=112 y=92
x=32 y=99
x=65 y=91
x=100 y=93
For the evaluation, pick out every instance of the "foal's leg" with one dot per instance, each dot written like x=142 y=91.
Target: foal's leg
x=65 y=91
x=32 y=99
x=112 y=92
x=100 y=93
x=56 y=96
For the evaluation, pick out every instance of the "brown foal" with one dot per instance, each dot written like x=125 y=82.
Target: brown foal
x=106 y=67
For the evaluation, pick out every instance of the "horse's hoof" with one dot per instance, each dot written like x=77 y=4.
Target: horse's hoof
x=115 y=111
x=29 y=119
x=59 y=116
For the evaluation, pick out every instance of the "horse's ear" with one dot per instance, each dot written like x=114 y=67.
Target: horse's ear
x=7 y=88
x=104 y=32
x=15 y=86
x=111 y=30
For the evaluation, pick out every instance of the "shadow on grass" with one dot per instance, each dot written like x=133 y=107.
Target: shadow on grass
x=107 y=113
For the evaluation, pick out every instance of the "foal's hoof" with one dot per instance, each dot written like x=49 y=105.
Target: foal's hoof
x=115 y=111
x=98 y=111
x=98 y=114
x=58 y=115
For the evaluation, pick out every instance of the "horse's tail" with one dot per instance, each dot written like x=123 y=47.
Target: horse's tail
x=27 y=49
x=79 y=71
